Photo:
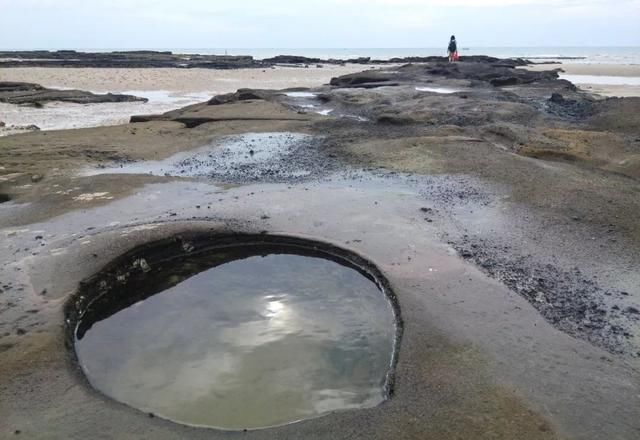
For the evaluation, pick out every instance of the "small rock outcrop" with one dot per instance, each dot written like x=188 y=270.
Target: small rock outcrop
x=240 y=95
x=22 y=93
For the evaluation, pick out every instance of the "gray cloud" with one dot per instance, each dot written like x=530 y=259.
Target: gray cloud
x=315 y=23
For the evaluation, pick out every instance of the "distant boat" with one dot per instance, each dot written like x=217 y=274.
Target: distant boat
x=465 y=48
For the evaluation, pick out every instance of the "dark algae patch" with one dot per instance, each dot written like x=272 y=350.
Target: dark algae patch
x=237 y=332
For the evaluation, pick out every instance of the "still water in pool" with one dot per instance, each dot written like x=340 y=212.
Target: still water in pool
x=257 y=342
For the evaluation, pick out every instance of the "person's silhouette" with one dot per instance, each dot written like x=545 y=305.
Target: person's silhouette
x=453 y=49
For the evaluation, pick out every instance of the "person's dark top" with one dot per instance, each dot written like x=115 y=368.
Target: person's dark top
x=453 y=46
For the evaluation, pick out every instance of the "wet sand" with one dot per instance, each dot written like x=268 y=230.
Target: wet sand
x=166 y=89
x=177 y=80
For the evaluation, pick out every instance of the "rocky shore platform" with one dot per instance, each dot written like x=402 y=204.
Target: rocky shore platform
x=148 y=59
x=501 y=204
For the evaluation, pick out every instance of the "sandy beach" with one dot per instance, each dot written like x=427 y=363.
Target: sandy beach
x=177 y=80
x=622 y=80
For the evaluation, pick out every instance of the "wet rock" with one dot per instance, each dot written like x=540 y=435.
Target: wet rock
x=34 y=94
x=142 y=264
x=188 y=247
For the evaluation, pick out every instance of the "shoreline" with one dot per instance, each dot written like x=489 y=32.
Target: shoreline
x=594 y=69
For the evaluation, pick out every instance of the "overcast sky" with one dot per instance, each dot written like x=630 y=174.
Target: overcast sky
x=26 y=24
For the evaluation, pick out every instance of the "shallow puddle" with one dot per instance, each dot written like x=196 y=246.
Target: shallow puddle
x=301 y=94
x=308 y=102
x=66 y=115
x=241 y=339
x=441 y=90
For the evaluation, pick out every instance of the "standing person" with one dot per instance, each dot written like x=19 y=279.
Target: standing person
x=453 y=49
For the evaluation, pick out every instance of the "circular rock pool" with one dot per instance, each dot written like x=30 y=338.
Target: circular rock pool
x=235 y=336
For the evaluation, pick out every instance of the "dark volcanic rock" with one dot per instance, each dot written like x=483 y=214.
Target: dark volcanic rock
x=561 y=106
x=148 y=58
x=35 y=94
